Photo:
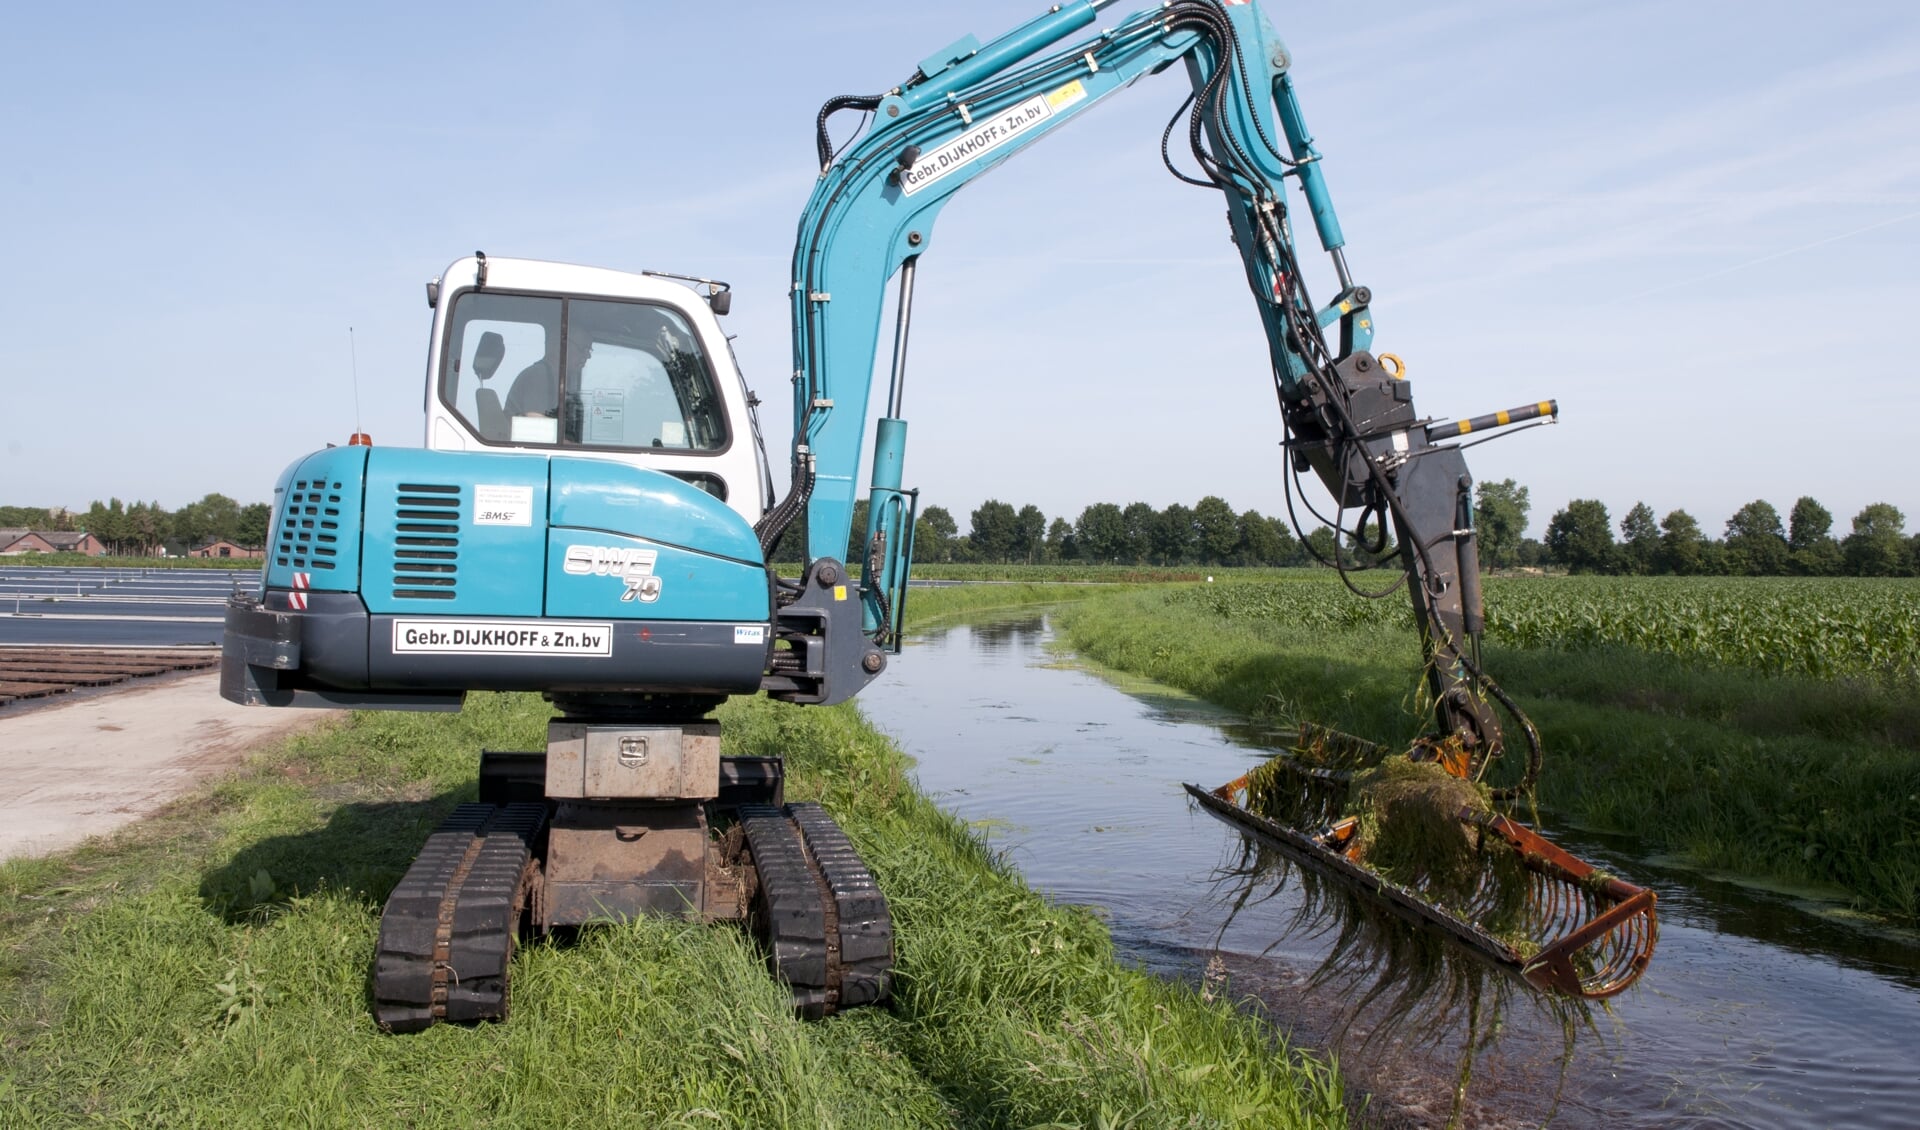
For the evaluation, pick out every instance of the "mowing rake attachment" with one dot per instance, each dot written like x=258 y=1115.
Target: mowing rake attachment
x=1410 y=832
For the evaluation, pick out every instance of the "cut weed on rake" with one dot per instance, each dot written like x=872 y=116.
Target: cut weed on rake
x=1415 y=833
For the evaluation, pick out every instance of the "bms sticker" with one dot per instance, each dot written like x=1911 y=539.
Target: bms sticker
x=502 y=637
x=499 y=505
x=633 y=567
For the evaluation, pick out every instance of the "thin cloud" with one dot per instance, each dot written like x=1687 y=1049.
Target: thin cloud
x=1768 y=258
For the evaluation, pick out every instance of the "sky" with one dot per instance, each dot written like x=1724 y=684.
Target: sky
x=1689 y=223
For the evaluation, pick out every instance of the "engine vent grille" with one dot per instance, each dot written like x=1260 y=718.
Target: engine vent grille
x=309 y=526
x=426 y=544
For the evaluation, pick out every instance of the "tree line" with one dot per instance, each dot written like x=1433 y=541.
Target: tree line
x=1580 y=537
x=138 y=529
x=1210 y=532
x=1755 y=543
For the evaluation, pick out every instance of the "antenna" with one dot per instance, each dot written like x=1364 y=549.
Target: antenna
x=360 y=438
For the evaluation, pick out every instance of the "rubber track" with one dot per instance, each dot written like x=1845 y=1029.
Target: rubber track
x=828 y=933
x=448 y=930
x=866 y=927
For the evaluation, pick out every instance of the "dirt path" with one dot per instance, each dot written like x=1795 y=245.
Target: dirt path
x=88 y=766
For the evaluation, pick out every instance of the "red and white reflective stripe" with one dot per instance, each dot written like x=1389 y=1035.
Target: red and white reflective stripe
x=301 y=580
x=298 y=601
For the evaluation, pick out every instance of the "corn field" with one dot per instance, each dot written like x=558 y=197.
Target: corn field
x=1822 y=628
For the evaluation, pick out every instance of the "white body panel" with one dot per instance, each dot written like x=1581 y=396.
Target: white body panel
x=741 y=466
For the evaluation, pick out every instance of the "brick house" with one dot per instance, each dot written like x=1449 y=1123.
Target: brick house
x=220 y=547
x=74 y=541
x=15 y=542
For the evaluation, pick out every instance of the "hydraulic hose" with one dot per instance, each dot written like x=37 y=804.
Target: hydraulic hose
x=839 y=102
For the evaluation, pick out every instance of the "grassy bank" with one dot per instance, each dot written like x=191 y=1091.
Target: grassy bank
x=1797 y=780
x=1073 y=573
x=931 y=606
x=209 y=968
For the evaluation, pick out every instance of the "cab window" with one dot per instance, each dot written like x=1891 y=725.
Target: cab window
x=526 y=370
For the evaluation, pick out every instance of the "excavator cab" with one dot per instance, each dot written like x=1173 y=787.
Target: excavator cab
x=556 y=359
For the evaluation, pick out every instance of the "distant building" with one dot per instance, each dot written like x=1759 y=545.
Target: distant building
x=221 y=547
x=14 y=543
x=75 y=541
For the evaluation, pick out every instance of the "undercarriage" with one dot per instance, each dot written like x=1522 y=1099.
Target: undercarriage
x=618 y=819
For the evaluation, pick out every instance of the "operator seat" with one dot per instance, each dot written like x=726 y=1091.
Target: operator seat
x=491 y=418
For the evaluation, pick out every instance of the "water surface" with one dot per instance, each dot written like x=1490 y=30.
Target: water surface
x=1756 y=1012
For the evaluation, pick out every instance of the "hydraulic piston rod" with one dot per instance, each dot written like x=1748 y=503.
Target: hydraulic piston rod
x=1438 y=432
x=902 y=323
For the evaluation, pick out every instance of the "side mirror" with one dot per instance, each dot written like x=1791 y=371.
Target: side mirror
x=721 y=301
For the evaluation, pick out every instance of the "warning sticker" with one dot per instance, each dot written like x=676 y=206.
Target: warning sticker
x=606 y=415
x=502 y=637
x=986 y=135
x=502 y=505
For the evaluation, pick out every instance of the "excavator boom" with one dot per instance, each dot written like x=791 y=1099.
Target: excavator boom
x=969 y=107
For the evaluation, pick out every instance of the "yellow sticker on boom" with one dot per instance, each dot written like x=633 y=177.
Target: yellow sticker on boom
x=1066 y=95
x=839 y=592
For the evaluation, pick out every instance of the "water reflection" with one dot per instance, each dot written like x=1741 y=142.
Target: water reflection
x=996 y=636
x=1754 y=1013
x=1384 y=986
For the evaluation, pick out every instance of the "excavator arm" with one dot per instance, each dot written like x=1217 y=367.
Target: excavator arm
x=970 y=107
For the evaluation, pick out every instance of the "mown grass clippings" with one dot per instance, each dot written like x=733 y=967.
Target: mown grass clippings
x=1410 y=828
x=1413 y=824
x=1291 y=794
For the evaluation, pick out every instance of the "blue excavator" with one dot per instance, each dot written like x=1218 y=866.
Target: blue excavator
x=592 y=518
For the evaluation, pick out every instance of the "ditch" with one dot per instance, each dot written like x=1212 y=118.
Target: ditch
x=1761 y=1009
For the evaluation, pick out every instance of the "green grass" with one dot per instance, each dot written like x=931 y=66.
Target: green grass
x=1063 y=573
x=209 y=966
x=929 y=606
x=1794 y=779
x=1077 y=573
